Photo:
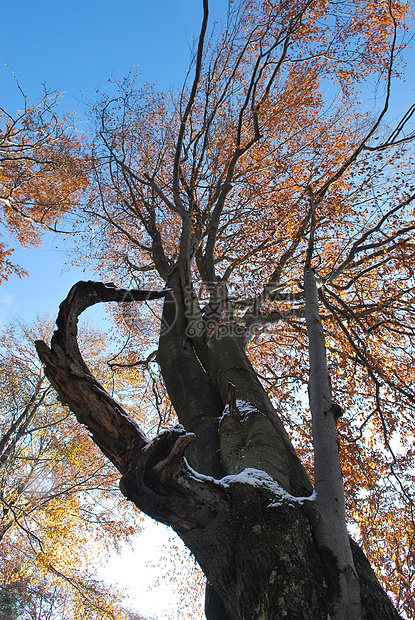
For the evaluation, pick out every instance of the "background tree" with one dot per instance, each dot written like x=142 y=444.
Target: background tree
x=43 y=172
x=60 y=508
x=275 y=214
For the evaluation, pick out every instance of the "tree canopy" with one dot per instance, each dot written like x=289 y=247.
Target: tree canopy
x=43 y=173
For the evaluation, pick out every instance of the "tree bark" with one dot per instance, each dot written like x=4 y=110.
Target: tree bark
x=330 y=531
x=252 y=531
x=189 y=386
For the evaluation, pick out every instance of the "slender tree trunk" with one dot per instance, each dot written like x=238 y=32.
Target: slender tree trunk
x=330 y=531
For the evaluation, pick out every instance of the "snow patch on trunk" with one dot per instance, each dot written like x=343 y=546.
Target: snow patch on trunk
x=259 y=478
x=244 y=408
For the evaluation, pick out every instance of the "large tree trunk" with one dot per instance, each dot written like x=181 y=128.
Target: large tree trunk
x=240 y=500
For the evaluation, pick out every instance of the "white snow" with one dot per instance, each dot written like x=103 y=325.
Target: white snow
x=257 y=477
x=245 y=409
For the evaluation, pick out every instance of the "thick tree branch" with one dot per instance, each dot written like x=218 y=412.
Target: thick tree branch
x=112 y=428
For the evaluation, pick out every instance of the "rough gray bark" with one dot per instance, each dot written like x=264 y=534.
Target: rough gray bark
x=250 y=532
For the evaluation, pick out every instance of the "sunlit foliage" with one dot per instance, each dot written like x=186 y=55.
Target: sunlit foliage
x=43 y=173
x=61 y=511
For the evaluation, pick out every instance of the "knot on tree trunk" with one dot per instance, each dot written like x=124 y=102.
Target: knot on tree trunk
x=164 y=455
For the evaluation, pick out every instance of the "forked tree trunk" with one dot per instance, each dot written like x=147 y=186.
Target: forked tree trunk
x=239 y=499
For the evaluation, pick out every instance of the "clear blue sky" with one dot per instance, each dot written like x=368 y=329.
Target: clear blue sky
x=75 y=47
